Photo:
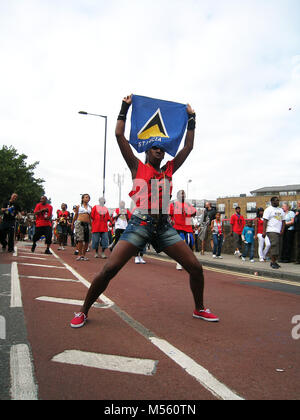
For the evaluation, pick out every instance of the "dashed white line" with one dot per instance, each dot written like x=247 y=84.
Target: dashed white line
x=2 y=328
x=16 y=297
x=107 y=362
x=49 y=278
x=31 y=257
x=22 y=382
x=69 y=301
x=41 y=265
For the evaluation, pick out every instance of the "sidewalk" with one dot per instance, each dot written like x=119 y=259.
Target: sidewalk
x=289 y=271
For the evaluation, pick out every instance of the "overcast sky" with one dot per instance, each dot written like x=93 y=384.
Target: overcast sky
x=236 y=62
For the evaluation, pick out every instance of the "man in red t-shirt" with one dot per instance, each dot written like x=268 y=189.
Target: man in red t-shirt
x=237 y=223
x=100 y=217
x=43 y=223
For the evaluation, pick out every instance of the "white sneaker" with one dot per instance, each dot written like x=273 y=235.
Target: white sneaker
x=252 y=261
x=96 y=256
x=178 y=267
x=220 y=256
x=142 y=261
x=137 y=260
x=214 y=256
x=261 y=260
x=243 y=259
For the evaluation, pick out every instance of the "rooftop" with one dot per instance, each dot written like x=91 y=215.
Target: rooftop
x=287 y=188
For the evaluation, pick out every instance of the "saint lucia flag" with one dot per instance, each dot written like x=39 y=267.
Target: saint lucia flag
x=157 y=123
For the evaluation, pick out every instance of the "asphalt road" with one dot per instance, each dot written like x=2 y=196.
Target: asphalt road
x=141 y=342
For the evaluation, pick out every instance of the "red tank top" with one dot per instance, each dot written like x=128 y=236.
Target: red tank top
x=152 y=190
x=260 y=225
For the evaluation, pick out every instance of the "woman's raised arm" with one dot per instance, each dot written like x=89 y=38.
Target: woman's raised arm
x=125 y=148
x=189 y=139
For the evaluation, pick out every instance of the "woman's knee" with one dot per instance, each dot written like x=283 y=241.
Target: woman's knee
x=194 y=268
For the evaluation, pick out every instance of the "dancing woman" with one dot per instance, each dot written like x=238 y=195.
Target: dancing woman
x=82 y=223
x=145 y=226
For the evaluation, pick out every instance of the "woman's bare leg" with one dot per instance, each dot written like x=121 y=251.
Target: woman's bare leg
x=119 y=257
x=182 y=254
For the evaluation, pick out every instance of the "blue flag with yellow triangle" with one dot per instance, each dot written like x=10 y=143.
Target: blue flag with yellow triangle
x=155 y=122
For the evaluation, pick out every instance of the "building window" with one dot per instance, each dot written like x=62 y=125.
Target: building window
x=283 y=193
x=221 y=208
x=251 y=215
x=251 y=207
x=235 y=205
x=293 y=205
x=292 y=192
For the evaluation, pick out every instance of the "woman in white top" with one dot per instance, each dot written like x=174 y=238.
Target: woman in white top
x=218 y=234
x=82 y=223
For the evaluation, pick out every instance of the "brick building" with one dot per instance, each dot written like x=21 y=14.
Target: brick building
x=258 y=198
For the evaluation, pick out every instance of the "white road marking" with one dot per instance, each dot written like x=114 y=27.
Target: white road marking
x=202 y=375
x=2 y=328
x=16 y=296
x=30 y=253
x=70 y=302
x=21 y=371
x=107 y=362
x=31 y=257
x=41 y=265
x=49 y=278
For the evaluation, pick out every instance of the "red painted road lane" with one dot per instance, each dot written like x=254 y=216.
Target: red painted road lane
x=243 y=351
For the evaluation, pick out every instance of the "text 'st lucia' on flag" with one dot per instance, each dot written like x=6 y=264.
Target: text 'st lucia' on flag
x=155 y=122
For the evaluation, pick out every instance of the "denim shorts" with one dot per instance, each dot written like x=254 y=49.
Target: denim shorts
x=143 y=229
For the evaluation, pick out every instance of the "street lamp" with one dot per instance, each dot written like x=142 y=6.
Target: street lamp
x=104 y=160
x=187 y=188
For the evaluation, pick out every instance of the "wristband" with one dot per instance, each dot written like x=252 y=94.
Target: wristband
x=123 y=112
x=191 y=122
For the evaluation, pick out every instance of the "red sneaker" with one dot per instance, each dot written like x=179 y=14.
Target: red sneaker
x=79 y=320
x=206 y=315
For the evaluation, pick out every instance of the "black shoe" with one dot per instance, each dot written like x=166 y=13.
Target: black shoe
x=275 y=265
x=48 y=251
x=33 y=247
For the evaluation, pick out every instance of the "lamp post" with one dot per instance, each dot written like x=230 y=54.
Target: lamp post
x=187 y=188
x=119 y=180
x=105 y=135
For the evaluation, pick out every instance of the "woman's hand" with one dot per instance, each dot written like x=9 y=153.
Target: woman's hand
x=189 y=109
x=128 y=99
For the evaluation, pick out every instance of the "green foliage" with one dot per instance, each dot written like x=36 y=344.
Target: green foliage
x=16 y=176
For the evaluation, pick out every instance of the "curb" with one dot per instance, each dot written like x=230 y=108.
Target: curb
x=261 y=272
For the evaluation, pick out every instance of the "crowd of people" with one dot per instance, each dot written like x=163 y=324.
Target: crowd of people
x=96 y=228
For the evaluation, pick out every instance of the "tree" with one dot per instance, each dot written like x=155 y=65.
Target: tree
x=16 y=176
